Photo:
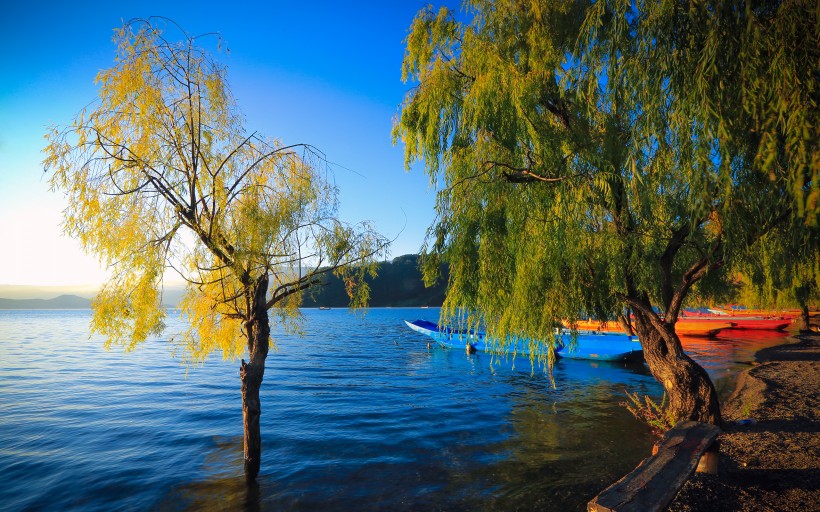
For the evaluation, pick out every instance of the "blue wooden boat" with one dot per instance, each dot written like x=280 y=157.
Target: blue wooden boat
x=590 y=345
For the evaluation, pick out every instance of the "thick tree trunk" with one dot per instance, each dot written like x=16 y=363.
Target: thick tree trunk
x=804 y=320
x=251 y=374
x=691 y=394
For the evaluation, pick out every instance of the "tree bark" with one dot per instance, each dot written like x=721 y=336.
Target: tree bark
x=691 y=394
x=805 y=319
x=251 y=374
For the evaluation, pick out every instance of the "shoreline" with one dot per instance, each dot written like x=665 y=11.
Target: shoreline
x=773 y=464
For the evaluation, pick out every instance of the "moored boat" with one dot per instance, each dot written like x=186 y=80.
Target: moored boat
x=697 y=327
x=738 y=311
x=592 y=346
x=745 y=322
x=684 y=326
x=597 y=325
x=761 y=324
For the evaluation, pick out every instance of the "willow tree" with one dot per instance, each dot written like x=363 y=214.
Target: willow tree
x=742 y=67
x=161 y=175
x=578 y=173
x=782 y=270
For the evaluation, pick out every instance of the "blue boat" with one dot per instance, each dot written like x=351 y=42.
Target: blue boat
x=590 y=345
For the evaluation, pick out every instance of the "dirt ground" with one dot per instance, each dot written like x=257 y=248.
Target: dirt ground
x=774 y=463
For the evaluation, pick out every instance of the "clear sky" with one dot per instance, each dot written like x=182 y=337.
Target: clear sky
x=326 y=73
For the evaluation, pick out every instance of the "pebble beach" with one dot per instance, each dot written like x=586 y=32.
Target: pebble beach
x=770 y=447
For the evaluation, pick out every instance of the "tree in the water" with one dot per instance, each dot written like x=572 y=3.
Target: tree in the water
x=160 y=174
x=591 y=162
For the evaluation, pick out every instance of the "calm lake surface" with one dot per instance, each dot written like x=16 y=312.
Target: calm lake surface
x=356 y=415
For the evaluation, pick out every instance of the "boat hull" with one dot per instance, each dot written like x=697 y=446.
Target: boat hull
x=588 y=346
x=789 y=314
x=748 y=323
x=766 y=324
x=698 y=327
x=683 y=327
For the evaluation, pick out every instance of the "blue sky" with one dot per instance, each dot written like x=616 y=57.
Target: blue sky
x=324 y=73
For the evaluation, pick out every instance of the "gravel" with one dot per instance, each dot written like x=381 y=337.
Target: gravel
x=773 y=462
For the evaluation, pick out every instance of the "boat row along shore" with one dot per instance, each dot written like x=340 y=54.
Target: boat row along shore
x=605 y=341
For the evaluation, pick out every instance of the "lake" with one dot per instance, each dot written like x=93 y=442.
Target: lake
x=356 y=415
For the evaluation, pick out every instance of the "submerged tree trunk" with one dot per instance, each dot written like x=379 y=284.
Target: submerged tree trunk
x=251 y=374
x=691 y=394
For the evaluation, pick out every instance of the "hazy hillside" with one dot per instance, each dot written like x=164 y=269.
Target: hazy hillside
x=61 y=302
x=22 y=291
x=399 y=283
x=67 y=297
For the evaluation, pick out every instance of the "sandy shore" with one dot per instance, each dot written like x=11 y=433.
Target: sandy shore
x=773 y=464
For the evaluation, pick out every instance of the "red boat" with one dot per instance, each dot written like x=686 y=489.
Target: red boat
x=755 y=313
x=761 y=324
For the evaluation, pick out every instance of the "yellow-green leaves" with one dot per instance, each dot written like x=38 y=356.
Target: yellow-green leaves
x=214 y=323
x=127 y=310
x=161 y=176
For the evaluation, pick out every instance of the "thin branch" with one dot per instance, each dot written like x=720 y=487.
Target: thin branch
x=254 y=164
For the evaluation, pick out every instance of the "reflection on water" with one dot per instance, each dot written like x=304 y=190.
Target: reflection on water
x=730 y=352
x=359 y=415
x=543 y=453
x=216 y=494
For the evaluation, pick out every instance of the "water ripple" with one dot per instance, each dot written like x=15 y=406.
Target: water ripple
x=358 y=415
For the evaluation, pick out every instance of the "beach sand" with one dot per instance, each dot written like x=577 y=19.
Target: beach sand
x=773 y=464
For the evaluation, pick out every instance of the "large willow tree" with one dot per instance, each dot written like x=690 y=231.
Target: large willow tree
x=161 y=174
x=602 y=157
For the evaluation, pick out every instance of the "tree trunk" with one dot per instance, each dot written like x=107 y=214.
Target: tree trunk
x=691 y=394
x=805 y=320
x=251 y=374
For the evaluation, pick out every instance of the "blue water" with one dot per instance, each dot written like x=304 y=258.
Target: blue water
x=357 y=415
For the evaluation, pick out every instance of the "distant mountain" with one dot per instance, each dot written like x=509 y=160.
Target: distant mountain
x=61 y=302
x=22 y=291
x=171 y=295
x=399 y=283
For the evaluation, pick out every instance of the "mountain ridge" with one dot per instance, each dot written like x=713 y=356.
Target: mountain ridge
x=65 y=301
x=399 y=283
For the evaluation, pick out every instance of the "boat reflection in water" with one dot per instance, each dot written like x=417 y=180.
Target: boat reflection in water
x=730 y=352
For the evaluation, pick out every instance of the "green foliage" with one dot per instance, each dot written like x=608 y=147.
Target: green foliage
x=657 y=415
x=782 y=270
x=592 y=156
x=161 y=173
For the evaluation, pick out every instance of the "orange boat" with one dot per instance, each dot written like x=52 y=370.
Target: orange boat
x=684 y=326
x=747 y=323
x=597 y=325
x=698 y=327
